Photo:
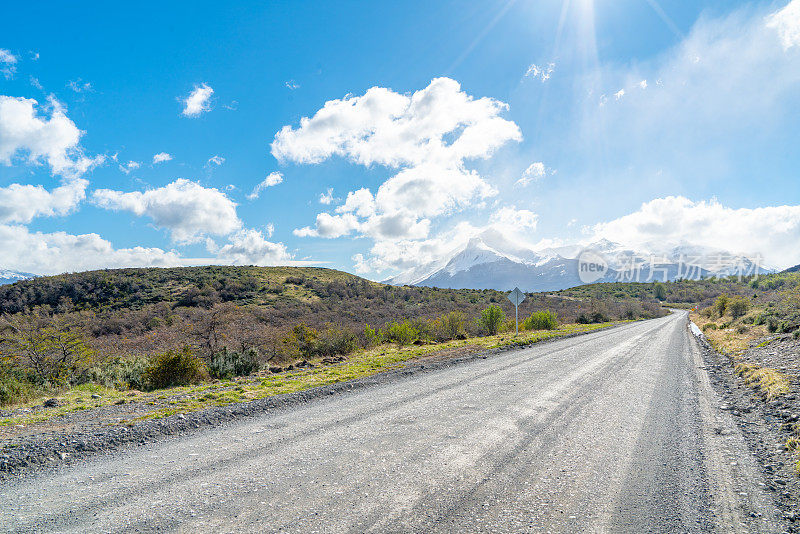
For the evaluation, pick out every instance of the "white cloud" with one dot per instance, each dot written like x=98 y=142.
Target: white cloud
x=428 y=136
x=8 y=63
x=186 y=209
x=643 y=84
x=23 y=133
x=729 y=79
x=21 y=203
x=250 y=247
x=79 y=86
x=361 y=202
x=272 y=179
x=291 y=84
x=129 y=167
x=58 y=252
x=535 y=172
x=198 y=101
x=326 y=197
x=619 y=94
x=786 y=22
x=215 y=160
x=514 y=220
x=543 y=72
x=773 y=232
x=511 y=224
x=161 y=157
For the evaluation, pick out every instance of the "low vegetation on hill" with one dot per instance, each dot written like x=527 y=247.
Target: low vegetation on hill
x=154 y=328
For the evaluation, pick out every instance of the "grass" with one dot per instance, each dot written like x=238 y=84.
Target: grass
x=184 y=399
x=728 y=340
x=768 y=382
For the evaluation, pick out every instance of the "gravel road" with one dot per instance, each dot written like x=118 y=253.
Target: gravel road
x=614 y=431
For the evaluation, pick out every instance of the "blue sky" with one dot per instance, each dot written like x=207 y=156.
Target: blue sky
x=644 y=121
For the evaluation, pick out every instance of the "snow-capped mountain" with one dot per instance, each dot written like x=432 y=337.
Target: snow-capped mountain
x=490 y=261
x=9 y=277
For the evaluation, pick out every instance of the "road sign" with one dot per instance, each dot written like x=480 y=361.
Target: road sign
x=516 y=297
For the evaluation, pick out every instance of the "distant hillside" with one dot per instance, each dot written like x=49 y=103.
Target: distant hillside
x=795 y=269
x=144 y=311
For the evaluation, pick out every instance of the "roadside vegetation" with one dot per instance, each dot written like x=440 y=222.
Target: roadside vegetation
x=143 y=330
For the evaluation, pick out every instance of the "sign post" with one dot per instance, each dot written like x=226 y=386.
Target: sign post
x=516 y=297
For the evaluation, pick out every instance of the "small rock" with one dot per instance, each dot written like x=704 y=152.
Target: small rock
x=181 y=416
x=51 y=403
x=95 y=396
x=63 y=455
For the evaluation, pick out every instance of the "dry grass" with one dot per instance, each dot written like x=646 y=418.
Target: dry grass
x=162 y=403
x=730 y=340
x=769 y=382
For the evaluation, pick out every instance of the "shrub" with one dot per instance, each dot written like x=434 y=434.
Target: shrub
x=227 y=364
x=593 y=317
x=304 y=338
x=371 y=337
x=659 y=291
x=796 y=334
x=13 y=389
x=451 y=325
x=401 y=333
x=541 y=320
x=772 y=324
x=334 y=341
x=721 y=305
x=709 y=326
x=738 y=307
x=175 y=368
x=491 y=319
x=120 y=373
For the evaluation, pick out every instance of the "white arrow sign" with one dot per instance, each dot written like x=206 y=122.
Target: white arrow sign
x=516 y=297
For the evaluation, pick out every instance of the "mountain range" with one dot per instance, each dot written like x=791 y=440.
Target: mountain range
x=491 y=261
x=9 y=277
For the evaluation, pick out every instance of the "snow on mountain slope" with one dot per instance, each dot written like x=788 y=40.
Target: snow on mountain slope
x=9 y=277
x=490 y=261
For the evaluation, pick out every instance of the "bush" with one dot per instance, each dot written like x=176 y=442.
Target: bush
x=659 y=291
x=120 y=373
x=721 y=305
x=371 y=337
x=796 y=334
x=401 y=333
x=175 y=368
x=334 y=341
x=13 y=389
x=591 y=318
x=451 y=325
x=772 y=324
x=227 y=364
x=491 y=319
x=709 y=326
x=738 y=307
x=541 y=320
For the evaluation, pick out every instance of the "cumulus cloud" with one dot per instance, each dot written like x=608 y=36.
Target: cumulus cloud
x=772 y=232
x=543 y=73
x=198 y=101
x=533 y=173
x=250 y=247
x=161 y=157
x=427 y=136
x=21 y=203
x=786 y=22
x=58 y=252
x=8 y=63
x=272 y=179
x=186 y=209
x=36 y=138
x=507 y=223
